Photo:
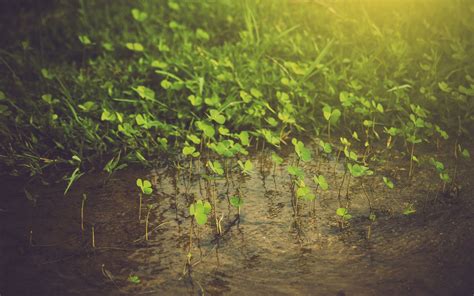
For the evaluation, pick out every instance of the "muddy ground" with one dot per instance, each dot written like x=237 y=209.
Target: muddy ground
x=269 y=250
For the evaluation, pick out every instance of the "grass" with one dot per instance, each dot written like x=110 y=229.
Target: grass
x=95 y=86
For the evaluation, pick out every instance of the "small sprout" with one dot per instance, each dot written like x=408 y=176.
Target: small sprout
x=276 y=159
x=358 y=170
x=237 y=202
x=216 y=116
x=134 y=279
x=372 y=217
x=295 y=171
x=445 y=177
x=246 y=167
x=343 y=213
x=331 y=115
x=327 y=148
x=200 y=210
x=134 y=46
x=216 y=167
x=190 y=150
x=206 y=128
x=244 y=138
x=464 y=152
x=138 y=15
x=303 y=153
x=388 y=182
x=194 y=139
x=410 y=209
x=84 y=40
x=321 y=181
x=304 y=192
x=145 y=186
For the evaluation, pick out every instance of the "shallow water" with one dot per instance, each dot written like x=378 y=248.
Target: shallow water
x=270 y=250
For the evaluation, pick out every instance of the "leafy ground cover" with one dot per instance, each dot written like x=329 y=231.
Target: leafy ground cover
x=347 y=105
x=93 y=85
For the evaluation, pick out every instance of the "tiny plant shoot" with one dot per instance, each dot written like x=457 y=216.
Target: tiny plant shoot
x=145 y=188
x=200 y=210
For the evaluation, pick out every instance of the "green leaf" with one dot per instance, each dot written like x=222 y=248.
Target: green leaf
x=276 y=158
x=245 y=96
x=444 y=87
x=188 y=150
x=341 y=212
x=201 y=218
x=256 y=93
x=207 y=128
x=194 y=139
x=216 y=167
x=388 y=182
x=138 y=15
x=195 y=101
x=357 y=170
x=410 y=209
x=244 y=138
x=145 y=92
x=321 y=181
x=159 y=64
x=217 y=116
x=201 y=34
x=236 y=201
x=134 y=279
x=246 y=167
x=134 y=46
x=295 y=171
x=303 y=153
x=84 y=39
x=200 y=211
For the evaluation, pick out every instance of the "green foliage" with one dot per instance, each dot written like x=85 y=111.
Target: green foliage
x=246 y=167
x=236 y=201
x=276 y=159
x=134 y=279
x=155 y=79
x=343 y=213
x=303 y=153
x=200 y=210
x=215 y=167
x=358 y=170
x=321 y=181
x=145 y=186
x=409 y=209
x=295 y=171
x=388 y=182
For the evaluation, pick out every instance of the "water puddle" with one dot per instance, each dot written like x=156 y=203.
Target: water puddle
x=273 y=248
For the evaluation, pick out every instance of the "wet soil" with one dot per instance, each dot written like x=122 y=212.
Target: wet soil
x=273 y=248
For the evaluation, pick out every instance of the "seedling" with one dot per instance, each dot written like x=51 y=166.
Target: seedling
x=304 y=154
x=303 y=191
x=215 y=167
x=358 y=170
x=344 y=215
x=237 y=202
x=200 y=210
x=387 y=182
x=145 y=187
x=246 y=167
x=321 y=182
x=331 y=116
x=409 y=210
x=134 y=279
